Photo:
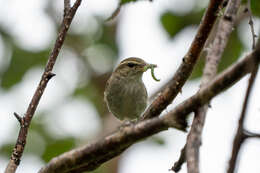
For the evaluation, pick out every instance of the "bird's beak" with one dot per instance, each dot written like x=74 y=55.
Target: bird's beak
x=149 y=66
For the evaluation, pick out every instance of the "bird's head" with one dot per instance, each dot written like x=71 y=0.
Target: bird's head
x=133 y=68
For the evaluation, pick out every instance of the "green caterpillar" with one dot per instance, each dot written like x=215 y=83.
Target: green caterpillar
x=152 y=72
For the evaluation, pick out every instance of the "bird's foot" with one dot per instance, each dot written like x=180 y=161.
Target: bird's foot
x=127 y=123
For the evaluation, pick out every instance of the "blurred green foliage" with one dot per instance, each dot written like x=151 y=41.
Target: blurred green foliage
x=174 y=23
x=58 y=147
x=40 y=141
x=21 y=62
x=231 y=54
x=255 y=7
x=126 y=1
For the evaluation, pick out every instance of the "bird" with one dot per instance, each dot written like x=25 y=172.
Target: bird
x=125 y=93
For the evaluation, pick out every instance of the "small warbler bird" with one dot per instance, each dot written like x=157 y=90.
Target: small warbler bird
x=125 y=93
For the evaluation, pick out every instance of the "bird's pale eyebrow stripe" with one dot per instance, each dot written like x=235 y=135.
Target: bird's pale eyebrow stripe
x=126 y=62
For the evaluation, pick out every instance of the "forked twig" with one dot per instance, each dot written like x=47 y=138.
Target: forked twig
x=25 y=121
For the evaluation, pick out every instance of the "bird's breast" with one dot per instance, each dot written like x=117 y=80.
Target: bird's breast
x=126 y=99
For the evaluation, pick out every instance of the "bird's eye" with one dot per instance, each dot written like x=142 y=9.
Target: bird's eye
x=131 y=64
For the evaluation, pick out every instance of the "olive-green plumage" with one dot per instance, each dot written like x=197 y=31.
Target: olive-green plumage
x=125 y=93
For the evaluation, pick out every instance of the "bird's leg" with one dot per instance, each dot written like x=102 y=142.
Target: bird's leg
x=127 y=123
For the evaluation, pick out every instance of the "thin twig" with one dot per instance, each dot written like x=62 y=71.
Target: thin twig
x=117 y=11
x=224 y=30
x=182 y=159
x=251 y=23
x=90 y=156
x=184 y=71
x=249 y=134
x=114 y=14
x=240 y=135
x=47 y=75
x=19 y=118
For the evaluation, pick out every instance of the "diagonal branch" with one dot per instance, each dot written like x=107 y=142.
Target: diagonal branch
x=91 y=156
x=224 y=30
x=114 y=14
x=46 y=76
x=66 y=7
x=183 y=72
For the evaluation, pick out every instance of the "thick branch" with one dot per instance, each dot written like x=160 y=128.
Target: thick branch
x=47 y=75
x=182 y=74
x=212 y=60
x=91 y=156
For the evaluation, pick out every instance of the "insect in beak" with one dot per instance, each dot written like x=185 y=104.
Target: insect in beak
x=151 y=66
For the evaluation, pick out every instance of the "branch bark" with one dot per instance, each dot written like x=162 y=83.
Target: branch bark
x=89 y=157
x=117 y=10
x=46 y=76
x=251 y=134
x=66 y=7
x=182 y=74
x=182 y=159
x=215 y=52
x=240 y=134
x=251 y=23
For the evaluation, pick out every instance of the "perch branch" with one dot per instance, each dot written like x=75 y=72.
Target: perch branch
x=91 y=156
x=47 y=75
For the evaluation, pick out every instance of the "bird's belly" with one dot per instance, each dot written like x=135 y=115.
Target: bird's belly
x=128 y=103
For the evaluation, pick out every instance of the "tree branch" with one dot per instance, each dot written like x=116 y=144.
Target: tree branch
x=47 y=75
x=19 y=118
x=117 y=10
x=212 y=60
x=182 y=159
x=251 y=134
x=240 y=135
x=66 y=7
x=182 y=74
x=251 y=23
x=91 y=156
x=114 y=14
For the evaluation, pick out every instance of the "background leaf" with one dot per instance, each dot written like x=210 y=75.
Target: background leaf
x=21 y=62
x=230 y=55
x=174 y=23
